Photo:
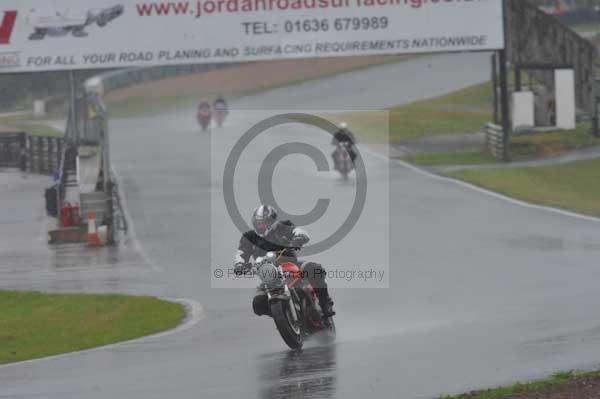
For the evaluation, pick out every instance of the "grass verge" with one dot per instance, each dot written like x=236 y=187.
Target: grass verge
x=147 y=106
x=549 y=144
x=34 y=325
x=573 y=186
x=138 y=107
x=42 y=130
x=463 y=111
x=586 y=28
x=567 y=382
x=33 y=129
x=522 y=148
x=134 y=107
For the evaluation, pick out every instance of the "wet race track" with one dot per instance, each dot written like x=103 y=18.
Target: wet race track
x=481 y=292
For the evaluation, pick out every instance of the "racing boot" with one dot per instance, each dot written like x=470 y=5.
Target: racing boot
x=335 y=160
x=326 y=303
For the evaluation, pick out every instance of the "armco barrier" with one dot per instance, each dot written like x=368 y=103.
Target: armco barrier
x=132 y=76
x=494 y=141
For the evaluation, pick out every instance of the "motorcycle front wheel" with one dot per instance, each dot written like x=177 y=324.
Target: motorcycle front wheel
x=290 y=331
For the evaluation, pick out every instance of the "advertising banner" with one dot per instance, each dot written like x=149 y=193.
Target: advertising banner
x=40 y=35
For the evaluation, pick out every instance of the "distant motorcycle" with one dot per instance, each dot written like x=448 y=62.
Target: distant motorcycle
x=204 y=117
x=292 y=301
x=220 y=111
x=342 y=159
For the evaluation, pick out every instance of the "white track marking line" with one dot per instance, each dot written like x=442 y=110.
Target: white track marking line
x=137 y=246
x=485 y=191
x=195 y=313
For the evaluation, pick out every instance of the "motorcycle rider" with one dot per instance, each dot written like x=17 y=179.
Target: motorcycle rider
x=343 y=135
x=204 y=106
x=271 y=234
x=220 y=110
x=204 y=114
x=220 y=103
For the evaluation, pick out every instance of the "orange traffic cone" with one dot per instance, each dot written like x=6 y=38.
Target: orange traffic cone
x=92 y=236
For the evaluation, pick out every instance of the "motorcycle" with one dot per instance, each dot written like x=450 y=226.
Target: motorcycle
x=292 y=301
x=343 y=160
x=220 y=113
x=204 y=117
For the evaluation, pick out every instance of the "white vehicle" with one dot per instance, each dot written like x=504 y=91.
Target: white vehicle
x=60 y=23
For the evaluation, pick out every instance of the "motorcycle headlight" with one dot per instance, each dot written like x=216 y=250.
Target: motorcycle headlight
x=269 y=274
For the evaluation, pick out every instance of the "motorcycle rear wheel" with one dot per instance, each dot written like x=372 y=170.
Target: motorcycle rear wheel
x=291 y=334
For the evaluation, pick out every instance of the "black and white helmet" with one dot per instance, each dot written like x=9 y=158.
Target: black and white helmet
x=263 y=219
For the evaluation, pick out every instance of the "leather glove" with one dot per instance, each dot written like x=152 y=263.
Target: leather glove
x=241 y=268
x=298 y=243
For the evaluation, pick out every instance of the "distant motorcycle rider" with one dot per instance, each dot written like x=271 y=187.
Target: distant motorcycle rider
x=220 y=103
x=204 y=106
x=220 y=110
x=343 y=135
x=270 y=234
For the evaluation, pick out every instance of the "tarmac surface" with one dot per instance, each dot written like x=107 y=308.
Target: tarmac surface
x=481 y=292
x=28 y=263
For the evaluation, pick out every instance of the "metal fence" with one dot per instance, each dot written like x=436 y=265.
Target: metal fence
x=132 y=76
x=92 y=122
x=67 y=171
